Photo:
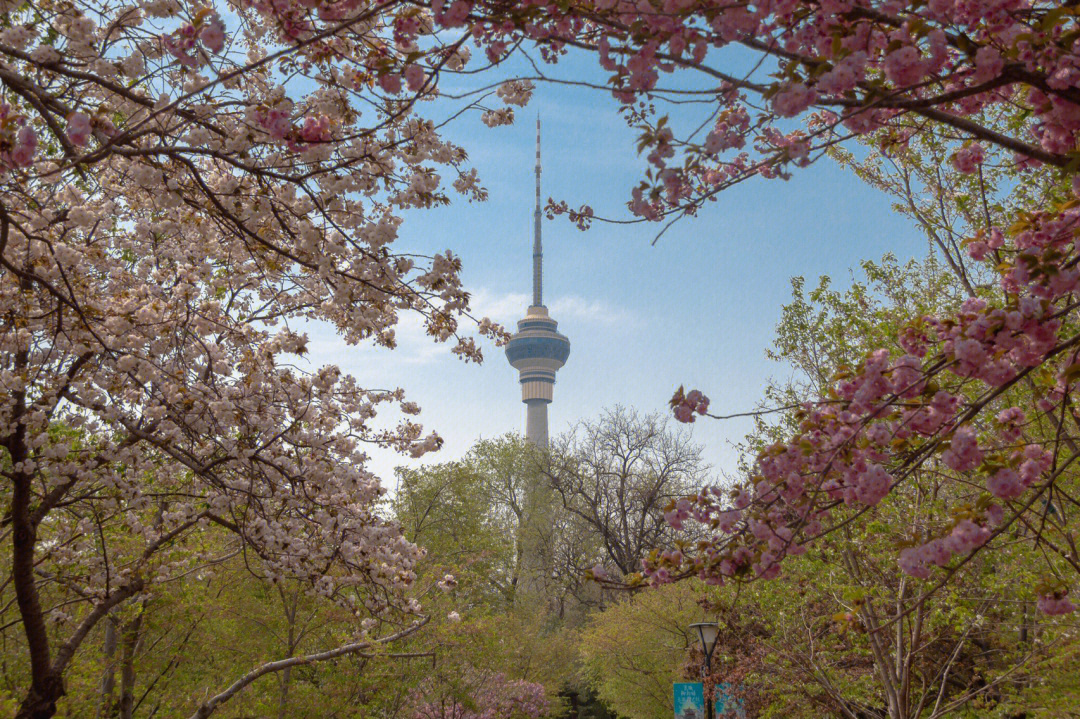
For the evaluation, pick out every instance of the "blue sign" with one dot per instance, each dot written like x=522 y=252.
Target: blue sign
x=727 y=705
x=689 y=700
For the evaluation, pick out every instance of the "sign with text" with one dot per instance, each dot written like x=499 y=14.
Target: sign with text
x=689 y=700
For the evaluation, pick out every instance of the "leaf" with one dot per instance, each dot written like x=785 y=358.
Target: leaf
x=1017 y=227
x=1071 y=373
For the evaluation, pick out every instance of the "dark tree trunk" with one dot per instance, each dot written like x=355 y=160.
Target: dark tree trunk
x=108 y=677
x=132 y=642
x=46 y=686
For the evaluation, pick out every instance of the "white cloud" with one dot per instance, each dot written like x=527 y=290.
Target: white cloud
x=587 y=310
x=505 y=308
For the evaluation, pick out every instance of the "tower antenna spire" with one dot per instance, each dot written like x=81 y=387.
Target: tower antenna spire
x=538 y=251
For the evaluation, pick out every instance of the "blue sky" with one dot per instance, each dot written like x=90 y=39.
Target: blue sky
x=698 y=308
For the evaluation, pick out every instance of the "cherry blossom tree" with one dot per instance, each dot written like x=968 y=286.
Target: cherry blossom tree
x=183 y=185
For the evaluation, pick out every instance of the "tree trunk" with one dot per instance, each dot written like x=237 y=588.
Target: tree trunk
x=132 y=642
x=286 y=674
x=108 y=676
x=40 y=701
x=283 y=701
x=46 y=686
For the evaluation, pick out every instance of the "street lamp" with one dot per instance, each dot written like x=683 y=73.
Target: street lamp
x=707 y=633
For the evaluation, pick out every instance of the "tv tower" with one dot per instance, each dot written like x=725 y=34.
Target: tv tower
x=537 y=351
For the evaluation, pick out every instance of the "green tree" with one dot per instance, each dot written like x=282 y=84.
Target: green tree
x=634 y=649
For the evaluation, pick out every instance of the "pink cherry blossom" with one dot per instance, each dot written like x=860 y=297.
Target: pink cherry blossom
x=1055 y=605
x=391 y=83
x=872 y=485
x=316 y=129
x=905 y=66
x=26 y=143
x=212 y=35
x=995 y=514
x=78 y=128
x=490 y=696
x=685 y=406
x=966 y=536
x=963 y=453
x=217 y=216
x=967 y=159
x=912 y=563
x=988 y=63
x=277 y=123
x=936 y=551
x=793 y=100
x=1005 y=484
x=415 y=77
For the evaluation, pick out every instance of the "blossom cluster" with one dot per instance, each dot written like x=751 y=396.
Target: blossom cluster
x=207 y=30
x=18 y=140
x=1055 y=604
x=686 y=405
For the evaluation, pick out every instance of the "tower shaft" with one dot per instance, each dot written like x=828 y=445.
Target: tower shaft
x=536 y=421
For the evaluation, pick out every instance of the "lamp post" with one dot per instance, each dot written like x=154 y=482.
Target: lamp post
x=707 y=633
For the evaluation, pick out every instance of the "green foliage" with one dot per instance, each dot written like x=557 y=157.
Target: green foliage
x=636 y=648
x=824 y=329
x=447 y=509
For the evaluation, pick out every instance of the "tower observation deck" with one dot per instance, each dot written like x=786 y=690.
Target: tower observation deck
x=537 y=351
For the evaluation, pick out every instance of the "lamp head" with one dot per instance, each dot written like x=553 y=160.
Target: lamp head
x=707 y=633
